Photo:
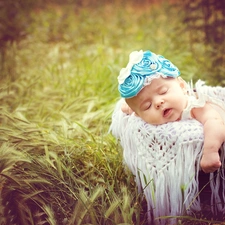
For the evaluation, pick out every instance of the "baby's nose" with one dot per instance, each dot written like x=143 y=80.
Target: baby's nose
x=158 y=103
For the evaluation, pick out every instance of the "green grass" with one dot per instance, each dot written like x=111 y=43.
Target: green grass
x=59 y=164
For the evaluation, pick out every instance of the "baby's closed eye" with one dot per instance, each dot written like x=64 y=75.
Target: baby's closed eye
x=146 y=106
x=163 y=90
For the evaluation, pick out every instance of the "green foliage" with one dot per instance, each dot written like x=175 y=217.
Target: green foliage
x=58 y=163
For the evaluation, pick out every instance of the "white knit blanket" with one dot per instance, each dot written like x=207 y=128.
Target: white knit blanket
x=165 y=162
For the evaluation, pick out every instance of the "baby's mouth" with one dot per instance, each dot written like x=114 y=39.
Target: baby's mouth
x=166 y=112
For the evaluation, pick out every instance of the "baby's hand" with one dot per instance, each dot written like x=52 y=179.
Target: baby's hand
x=210 y=162
x=126 y=109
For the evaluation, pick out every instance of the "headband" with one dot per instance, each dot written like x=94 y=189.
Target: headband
x=141 y=69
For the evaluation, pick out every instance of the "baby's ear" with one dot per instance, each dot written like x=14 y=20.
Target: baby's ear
x=126 y=109
x=182 y=82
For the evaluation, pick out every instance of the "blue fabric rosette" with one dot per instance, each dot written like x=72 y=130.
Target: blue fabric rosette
x=131 y=86
x=132 y=78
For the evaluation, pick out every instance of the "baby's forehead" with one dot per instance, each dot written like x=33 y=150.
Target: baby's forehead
x=158 y=82
x=150 y=88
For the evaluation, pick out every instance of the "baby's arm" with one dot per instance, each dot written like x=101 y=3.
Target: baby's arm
x=214 y=136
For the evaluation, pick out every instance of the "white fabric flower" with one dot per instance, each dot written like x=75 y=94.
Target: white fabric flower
x=134 y=58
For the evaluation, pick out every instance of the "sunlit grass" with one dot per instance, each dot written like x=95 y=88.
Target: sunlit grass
x=59 y=164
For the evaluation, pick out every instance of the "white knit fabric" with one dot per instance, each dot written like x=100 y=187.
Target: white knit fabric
x=165 y=162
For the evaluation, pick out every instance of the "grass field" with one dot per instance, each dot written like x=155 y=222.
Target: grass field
x=59 y=164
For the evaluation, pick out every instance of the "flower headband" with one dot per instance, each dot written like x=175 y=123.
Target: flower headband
x=141 y=69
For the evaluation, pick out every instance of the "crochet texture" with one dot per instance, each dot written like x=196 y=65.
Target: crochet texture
x=165 y=162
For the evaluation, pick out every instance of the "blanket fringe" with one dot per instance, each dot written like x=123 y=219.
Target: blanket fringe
x=167 y=174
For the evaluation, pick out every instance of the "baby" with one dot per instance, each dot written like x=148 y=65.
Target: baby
x=154 y=91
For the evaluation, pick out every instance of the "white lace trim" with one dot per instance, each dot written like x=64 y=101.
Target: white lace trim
x=149 y=79
x=213 y=95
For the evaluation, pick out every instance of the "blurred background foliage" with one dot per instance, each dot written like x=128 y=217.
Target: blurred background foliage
x=202 y=20
x=205 y=23
x=59 y=61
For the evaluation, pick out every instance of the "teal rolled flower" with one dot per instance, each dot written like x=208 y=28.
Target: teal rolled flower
x=168 y=68
x=143 y=65
x=131 y=86
x=148 y=65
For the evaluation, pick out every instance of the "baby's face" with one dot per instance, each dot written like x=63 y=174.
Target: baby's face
x=162 y=101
